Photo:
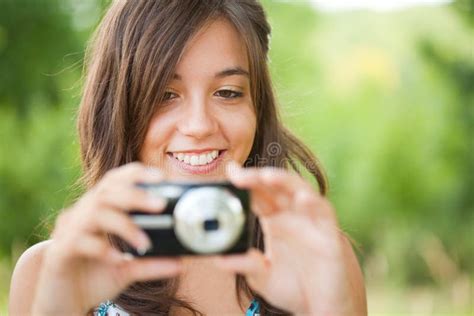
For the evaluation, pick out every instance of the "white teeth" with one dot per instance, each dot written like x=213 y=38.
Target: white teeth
x=197 y=160
x=202 y=159
x=194 y=160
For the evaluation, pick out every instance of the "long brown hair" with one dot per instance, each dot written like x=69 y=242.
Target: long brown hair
x=130 y=60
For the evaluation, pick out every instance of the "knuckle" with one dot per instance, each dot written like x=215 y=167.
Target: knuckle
x=63 y=224
x=86 y=220
x=309 y=198
x=135 y=199
x=103 y=188
x=133 y=167
x=101 y=191
x=81 y=217
x=327 y=205
x=120 y=224
x=124 y=273
x=122 y=170
x=119 y=174
x=110 y=175
x=123 y=221
x=63 y=218
x=130 y=229
x=140 y=197
x=56 y=233
x=86 y=252
x=101 y=249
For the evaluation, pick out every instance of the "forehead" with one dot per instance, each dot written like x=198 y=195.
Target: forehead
x=218 y=45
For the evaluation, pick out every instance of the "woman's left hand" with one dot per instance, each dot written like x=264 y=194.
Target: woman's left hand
x=309 y=267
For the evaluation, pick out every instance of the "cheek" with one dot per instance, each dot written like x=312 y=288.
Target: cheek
x=241 y=130
x=158 y=131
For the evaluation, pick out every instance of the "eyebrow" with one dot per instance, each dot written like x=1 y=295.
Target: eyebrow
x=234 y=71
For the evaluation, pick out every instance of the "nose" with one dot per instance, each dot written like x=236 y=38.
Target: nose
x=198 y=120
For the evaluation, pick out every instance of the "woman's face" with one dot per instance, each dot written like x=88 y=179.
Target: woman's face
x=208 y=117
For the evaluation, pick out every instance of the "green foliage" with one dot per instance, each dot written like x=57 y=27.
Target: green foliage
x=40 y=56
x=38 y=166
x=35 y=36
x=465 y=9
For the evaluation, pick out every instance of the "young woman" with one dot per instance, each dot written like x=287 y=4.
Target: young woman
x=180 y=90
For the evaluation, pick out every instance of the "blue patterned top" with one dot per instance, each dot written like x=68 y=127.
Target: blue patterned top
x=109 y=308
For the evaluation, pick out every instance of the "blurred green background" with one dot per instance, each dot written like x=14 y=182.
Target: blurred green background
x=385 y=99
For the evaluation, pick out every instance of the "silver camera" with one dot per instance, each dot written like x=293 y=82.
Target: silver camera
x=199 y=218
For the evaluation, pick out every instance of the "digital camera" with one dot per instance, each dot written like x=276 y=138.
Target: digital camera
x=199 y=219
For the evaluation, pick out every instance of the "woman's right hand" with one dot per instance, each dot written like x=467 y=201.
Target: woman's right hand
x=81 y=268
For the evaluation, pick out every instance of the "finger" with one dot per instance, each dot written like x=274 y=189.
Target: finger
x=318 y=208
x=94 y=247
x=110 y=221
x=118 y=187
x=62 y=221
x=79 y=222
x=284 y=187
x=87 y=230
x=303 y=198
x=294 y=188
x=130 y=198
x=145 y=269
x=309 y=213
x=134 y=172
x=276 y=187
x=254 y=265
x=263 y=201
x=284 y=181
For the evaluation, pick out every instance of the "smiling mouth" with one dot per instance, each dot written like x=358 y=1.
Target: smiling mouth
x=197 y=159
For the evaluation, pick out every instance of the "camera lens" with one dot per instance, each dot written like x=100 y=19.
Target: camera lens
x=208 y=219
x=211 y=224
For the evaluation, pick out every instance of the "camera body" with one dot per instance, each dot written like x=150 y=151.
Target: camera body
x=199 y=219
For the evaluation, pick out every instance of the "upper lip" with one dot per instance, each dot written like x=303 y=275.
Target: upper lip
x=194 y=151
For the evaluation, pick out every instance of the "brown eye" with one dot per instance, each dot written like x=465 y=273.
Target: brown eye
x=229 y=94
x=169 y=96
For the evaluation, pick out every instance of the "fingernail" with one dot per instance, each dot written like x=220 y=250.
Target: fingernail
x=156 y=202
x=144 y=244
x=142 y=250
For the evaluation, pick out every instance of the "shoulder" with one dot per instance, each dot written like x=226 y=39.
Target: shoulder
x=24 y=278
